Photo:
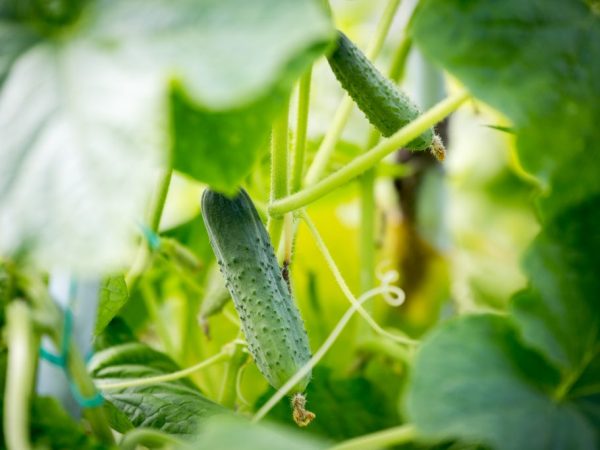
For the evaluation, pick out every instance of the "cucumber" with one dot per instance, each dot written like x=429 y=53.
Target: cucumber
x=387 y=108
x=216 y=296
x=270 y=320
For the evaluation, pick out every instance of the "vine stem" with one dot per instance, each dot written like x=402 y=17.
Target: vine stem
x=142 y=257
x=301 y=131
x=402 y=434
x=279 y=170
x=20 y=375
x=369 y=159
x=342 y=114
x=320 y=353
x=221 y=356
x=344 y=286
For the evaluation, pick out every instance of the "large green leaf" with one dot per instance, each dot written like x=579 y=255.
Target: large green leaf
x=84 y=113
x=473 y=379
x=559 y=313
x=175 y=407
x=538 y=61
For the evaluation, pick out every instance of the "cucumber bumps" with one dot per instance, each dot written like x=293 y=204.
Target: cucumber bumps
x=270 y=320
x=387 y=108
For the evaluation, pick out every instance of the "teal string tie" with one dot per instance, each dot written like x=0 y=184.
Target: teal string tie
x=61 y=359
x=151 y=236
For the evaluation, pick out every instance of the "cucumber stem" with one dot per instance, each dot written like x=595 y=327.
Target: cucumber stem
x=369 y=159
x=301 y=131
x=342 y=114
x=279 y=171
x=20 y=375
x=402 y=434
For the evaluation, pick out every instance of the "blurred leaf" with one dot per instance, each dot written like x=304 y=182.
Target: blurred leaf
x=220 y=145
x=113 y=295
x=345 y=407
x=14 y=40
x=115 y=333
x=558 y=314
x=83 y=113
x=174 y=407
x=544 y=59
x=53 y=429
x=226 y=433
x=475 y=380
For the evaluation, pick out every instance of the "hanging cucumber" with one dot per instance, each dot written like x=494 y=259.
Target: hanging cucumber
x=387 y=108
x=270 y=320
x=216 y=296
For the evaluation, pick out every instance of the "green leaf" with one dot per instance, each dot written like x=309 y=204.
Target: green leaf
x=175 y=407
x=537 y=61
x=558 y=314
x=473 y=379
x=345 y=407
x=83 y=113
x=230 y=432
x=113 y=295
x=115 y=333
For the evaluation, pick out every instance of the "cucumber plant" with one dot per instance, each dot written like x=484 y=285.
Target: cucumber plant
x=107 y=109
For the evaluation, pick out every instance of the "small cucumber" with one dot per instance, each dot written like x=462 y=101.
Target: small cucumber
x=270 y=320
x=387 y=108
x=216 y=296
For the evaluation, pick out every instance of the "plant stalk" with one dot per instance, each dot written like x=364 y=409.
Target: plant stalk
x=369 y=159
x=301 y=131
x=20 y=375
x=279 y=171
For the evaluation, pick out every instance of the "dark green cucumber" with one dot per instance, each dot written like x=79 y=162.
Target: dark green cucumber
x=387 y=108
x=270 y=320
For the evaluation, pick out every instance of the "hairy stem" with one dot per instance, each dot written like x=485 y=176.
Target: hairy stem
x=402 y=434
x=279 y=171
x=342 y=114
x=301 y=131
x=369 y=159
x=20 y=375
x=221 y=356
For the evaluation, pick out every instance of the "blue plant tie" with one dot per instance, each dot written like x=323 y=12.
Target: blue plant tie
x=61 y=359
x=151 y=237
